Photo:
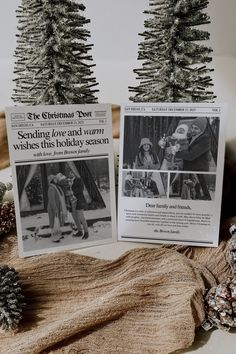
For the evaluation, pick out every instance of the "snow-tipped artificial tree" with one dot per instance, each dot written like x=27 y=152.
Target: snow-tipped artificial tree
x=53 y=64
x=175 y=61
x=25 y=39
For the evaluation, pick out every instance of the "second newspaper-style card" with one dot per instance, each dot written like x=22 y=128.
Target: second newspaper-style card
x=63 y=175
x=171 y=173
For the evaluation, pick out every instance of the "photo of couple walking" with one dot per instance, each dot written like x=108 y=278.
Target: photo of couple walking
x=64 y=204
x=171 y=143
x=65 y=195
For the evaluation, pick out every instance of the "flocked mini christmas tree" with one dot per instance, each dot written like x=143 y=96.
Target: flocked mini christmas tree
x=27 y=39
x=175 y=62
x=53 y=64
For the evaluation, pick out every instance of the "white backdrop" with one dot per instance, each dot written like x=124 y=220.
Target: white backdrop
x=114 y=27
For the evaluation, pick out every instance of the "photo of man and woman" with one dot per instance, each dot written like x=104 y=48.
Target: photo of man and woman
x=171 y=143
x=64 y=203
x=140 y=184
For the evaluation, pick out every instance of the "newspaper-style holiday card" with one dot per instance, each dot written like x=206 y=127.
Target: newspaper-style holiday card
x=171 y=173
x=63 y=175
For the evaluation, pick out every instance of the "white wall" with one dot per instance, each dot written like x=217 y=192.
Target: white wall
x=114 y=27
x=116 y=23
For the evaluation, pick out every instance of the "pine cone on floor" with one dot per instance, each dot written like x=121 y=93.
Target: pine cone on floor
x=220 y=301
x=7 y=217
x=11 y=298
x=220 y=304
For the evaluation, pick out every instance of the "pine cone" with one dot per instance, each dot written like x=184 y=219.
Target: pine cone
x=3 y=190
x=220 y=304
x=11 y=298
x=7 y=217
x=220 y=301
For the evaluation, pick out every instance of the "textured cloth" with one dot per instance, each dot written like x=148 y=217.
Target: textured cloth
x=147 y=301
x=214 y=259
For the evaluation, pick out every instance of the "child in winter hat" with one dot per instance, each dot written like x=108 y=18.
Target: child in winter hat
x=146 y=157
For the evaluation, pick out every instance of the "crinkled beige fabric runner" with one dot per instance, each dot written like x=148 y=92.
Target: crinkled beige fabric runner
x=147 y=301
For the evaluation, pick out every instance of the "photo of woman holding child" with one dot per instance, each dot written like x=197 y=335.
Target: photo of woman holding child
x=171 y=143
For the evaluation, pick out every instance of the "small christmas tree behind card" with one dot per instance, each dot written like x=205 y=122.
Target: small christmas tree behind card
x=53 y=64
x=174 y=66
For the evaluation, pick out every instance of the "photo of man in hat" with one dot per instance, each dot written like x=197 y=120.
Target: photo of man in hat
x=196 y=157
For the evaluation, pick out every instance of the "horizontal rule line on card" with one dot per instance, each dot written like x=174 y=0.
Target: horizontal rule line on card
x=170 y=114
x=175 y=107
x=56 y=126
x=62 y=158
x=168 y=240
